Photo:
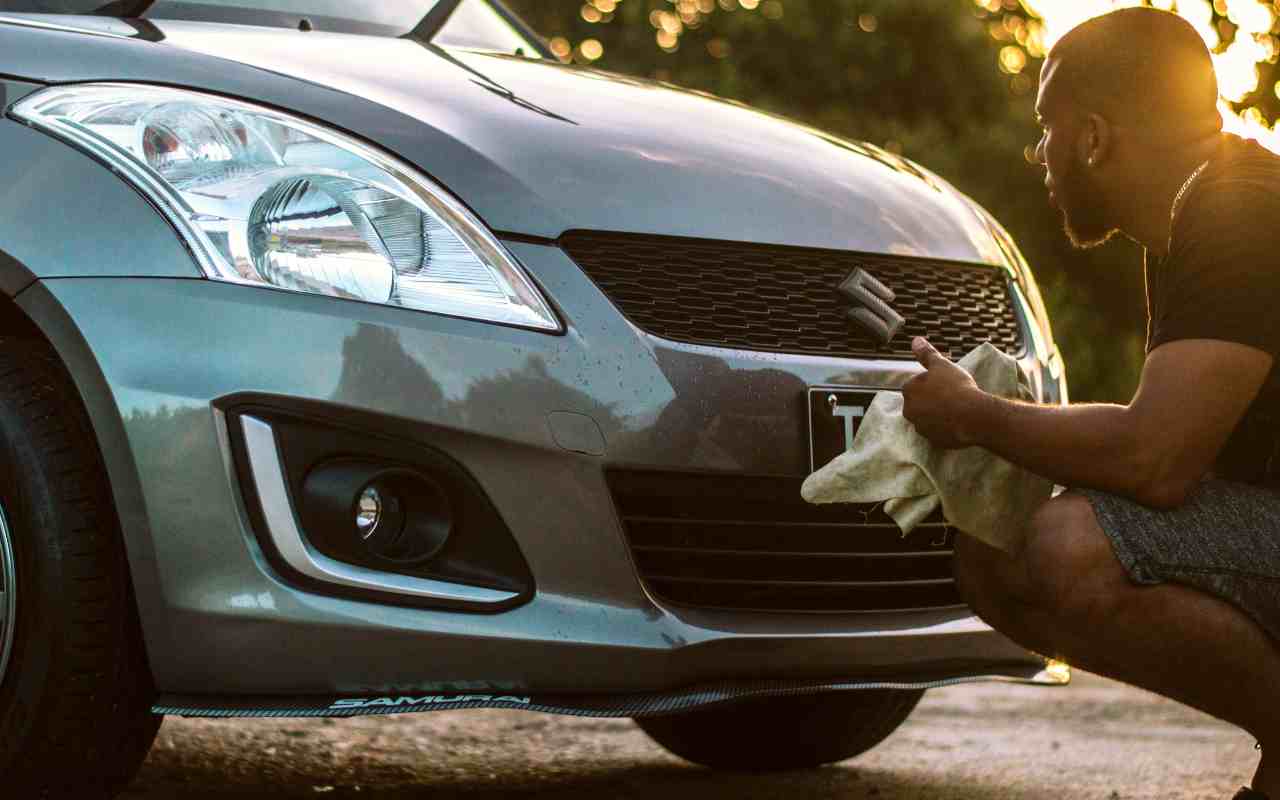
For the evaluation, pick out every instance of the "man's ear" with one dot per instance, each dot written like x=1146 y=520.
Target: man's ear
x=1095 y=140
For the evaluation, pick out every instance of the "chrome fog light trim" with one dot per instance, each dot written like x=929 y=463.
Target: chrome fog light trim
x=268 y=479
x=8 y=595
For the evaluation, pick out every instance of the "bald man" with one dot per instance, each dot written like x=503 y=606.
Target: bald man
x=1161 y=567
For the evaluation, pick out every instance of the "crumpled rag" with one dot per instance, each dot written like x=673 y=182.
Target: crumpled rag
x=980 y=493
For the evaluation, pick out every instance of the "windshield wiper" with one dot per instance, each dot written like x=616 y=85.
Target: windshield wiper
x=124 y=8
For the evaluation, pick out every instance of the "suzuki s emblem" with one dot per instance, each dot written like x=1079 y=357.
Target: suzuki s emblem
x=872 y=310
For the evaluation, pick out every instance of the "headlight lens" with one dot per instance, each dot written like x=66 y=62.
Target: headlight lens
x=266 y=198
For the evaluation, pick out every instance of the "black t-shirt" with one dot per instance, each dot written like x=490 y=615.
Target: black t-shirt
x=1221 y=280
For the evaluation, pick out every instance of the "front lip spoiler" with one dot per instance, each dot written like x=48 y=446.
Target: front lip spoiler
x=630 y=704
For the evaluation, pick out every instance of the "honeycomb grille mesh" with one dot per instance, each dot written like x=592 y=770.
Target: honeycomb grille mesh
x=784 y=299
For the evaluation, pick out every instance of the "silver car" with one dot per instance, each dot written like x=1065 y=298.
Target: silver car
x=360 y=358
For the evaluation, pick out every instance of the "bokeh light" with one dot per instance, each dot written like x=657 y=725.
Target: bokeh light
x=591 y=49
x=561 y=47
x=1013 y=59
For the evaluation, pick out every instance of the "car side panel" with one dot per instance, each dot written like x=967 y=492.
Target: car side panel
x=62 y=214
x=13 y=91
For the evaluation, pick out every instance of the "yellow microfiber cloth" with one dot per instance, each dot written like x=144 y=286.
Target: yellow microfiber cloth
x=980 y=493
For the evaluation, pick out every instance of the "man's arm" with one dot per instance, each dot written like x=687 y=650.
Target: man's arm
x=1192 y=394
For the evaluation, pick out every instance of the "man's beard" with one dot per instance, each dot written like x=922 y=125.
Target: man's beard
x=1083 y=216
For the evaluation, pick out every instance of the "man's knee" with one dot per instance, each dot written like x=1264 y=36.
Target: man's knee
x=1070 y=566
x=1064 y=569
x=991 y=582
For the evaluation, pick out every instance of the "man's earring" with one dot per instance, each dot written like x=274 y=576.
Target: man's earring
x=1091 y=161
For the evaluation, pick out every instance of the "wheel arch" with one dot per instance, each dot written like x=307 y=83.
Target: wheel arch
x=66 y=216
x=36 y=316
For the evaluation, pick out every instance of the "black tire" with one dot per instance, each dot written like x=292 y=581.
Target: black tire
x=777 y=733
x=75 y=698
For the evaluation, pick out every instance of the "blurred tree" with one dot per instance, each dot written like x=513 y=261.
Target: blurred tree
x=950 y=84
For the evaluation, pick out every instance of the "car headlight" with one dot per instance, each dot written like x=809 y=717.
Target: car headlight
x=266 y=198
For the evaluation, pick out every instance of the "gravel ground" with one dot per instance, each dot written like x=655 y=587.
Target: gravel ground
x=1095 y=739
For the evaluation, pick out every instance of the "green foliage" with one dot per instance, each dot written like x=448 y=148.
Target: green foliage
x=923 y=81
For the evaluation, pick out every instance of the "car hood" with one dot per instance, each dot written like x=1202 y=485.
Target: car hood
x=537 y=148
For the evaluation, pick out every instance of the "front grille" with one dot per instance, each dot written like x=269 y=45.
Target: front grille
x=783 y=299
x=750 y=543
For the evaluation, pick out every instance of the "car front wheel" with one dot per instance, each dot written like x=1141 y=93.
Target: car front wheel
x=75 y=690
x=778 y=733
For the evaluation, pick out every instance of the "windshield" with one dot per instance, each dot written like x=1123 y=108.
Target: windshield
x=476 y=24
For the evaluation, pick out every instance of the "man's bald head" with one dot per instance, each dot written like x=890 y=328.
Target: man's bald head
x=1141 y=68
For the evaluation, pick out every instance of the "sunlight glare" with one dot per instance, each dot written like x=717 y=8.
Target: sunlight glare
x=1236 y=64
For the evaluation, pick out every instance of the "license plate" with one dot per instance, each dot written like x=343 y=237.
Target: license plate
x=834 y=417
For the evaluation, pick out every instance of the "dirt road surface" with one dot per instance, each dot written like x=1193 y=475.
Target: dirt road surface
x=1095 y=739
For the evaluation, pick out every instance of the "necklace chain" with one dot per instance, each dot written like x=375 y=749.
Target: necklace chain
x=1185 y=186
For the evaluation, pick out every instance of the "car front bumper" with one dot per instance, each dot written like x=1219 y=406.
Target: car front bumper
x=158 y=355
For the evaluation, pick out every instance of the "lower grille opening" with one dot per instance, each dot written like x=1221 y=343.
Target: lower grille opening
x=750 y=543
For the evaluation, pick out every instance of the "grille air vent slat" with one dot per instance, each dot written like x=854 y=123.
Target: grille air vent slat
x=750 y=543
x=783 y=299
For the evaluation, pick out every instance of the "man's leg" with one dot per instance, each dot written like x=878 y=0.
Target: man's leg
x=1067 y=596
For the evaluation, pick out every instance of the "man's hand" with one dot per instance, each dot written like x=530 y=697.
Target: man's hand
x=937 y=401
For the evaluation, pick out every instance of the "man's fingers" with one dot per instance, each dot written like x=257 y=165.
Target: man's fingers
x=924 y=352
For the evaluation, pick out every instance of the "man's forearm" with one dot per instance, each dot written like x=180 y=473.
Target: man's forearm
x=1079 y=445
x=1155 y=450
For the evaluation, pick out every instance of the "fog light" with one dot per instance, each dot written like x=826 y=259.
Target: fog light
x=368 y=512
x=375 y=515
x=415 y=520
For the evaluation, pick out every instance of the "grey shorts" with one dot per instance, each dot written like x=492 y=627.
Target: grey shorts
x=1225 y=541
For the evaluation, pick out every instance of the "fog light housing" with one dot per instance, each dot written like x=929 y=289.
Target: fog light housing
x=359 y=510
